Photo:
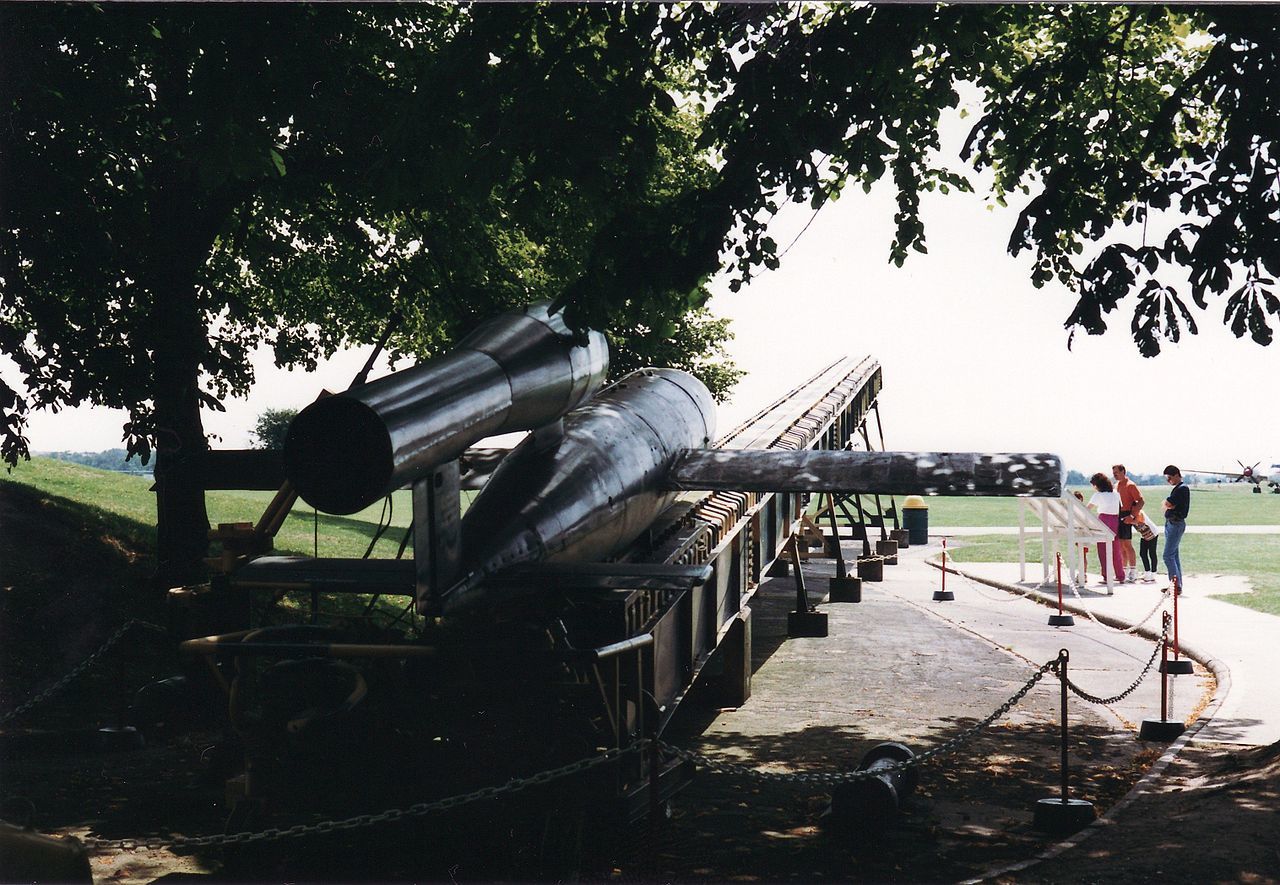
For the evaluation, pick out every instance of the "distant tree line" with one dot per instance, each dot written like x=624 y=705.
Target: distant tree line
x=1076 y=478
x=111 y=459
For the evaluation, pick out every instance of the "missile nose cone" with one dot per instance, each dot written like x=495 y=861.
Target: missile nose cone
x=337 y=454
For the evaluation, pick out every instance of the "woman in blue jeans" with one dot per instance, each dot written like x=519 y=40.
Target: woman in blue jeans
x=1176 y=507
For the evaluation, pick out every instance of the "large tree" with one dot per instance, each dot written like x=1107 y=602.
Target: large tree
x=183 y=182
x=1103 y=114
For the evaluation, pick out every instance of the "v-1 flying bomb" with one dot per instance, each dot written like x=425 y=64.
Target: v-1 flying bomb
x=597 y=471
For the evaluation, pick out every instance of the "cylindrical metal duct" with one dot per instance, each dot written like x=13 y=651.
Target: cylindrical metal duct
x=517 y=371
x=871 y=803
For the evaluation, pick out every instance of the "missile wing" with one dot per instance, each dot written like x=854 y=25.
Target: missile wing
x=1013 y=474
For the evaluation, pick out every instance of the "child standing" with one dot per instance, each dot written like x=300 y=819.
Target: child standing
x=1147 y=544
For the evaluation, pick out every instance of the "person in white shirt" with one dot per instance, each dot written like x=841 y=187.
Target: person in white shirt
x=1107 y=502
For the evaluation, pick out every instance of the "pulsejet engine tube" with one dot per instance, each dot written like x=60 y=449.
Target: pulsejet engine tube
x=517 y=371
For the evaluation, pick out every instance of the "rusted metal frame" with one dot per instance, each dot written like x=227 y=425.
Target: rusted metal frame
x=866 y=536
x=893 y=503
x=802 y=593
x=612 y=710
x=785 y=399
x=852 y=392
x=231 y=644
x=835 y=539
x=836 y=397
x=736 y=552
x=727 y=554
x=699 y=529
x=884 y=534
x=740 y=528
x=853 y=386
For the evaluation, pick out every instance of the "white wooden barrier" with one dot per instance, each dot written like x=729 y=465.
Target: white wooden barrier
x=1068 y=521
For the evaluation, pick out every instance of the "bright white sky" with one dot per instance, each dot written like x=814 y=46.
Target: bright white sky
x=974 y=357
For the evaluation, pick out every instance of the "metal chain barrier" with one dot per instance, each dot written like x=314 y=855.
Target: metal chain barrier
x=1132 y=628
x=1012 y=597
x=1094 y=699
x=1003 y=596
x=360 y=821
x=515 y=785
x=79 y=668
x=844 y=777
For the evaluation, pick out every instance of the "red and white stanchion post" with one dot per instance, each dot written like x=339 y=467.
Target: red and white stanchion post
x=1179 y=666
x=943 y=595
x=1061 y=619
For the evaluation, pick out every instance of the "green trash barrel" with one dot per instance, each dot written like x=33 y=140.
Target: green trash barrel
x=915 y=519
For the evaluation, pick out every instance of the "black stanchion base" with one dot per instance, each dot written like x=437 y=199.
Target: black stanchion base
x=1163 y=730
x=943 y=596
x=1177 y=667
x=779 y=569
x=848 y=589
x=806 y=624
x=117 y=739
x=1053 y=816
x=1061 y=621
x=871 y=568
x=902 y=536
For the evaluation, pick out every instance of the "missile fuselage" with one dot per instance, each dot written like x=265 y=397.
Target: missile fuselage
x=517 y=371
x=585 y=491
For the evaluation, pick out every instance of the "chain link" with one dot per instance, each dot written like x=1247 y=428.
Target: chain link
x=515 y=785
x=79 y=668
x=844 y=777
x=1094 y=699
x=360 y=821
x=1006 y=596
x=1132 y=628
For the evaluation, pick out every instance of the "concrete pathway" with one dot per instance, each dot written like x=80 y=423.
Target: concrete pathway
x=902 y=666
x=1034 y=531
x=1103 y=661
x=1245 y=642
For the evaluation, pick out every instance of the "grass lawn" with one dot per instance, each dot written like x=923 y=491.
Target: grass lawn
x=1211 y=504
x=1257 y=557
x=127 y=497
x=120 y=505
x=74 y=525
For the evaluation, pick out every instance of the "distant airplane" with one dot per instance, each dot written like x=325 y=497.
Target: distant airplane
x=1270 y=476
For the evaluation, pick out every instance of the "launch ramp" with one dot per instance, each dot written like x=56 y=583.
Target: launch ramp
x=740 y=534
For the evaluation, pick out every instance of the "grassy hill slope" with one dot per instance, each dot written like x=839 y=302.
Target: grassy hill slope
x=128 y=498
x=77 y=557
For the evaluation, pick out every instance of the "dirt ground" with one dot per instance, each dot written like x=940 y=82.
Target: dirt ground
x=1213 y=816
